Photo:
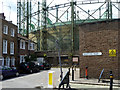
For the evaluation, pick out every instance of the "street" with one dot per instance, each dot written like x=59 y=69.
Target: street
x=33 y=80
x=40 y=79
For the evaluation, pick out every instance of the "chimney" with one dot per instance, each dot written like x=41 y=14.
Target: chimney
x=2 y=16
x=10 y=21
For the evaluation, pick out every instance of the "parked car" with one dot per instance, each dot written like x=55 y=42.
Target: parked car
x=28 y=67
x=6 y=71
x=44 y=66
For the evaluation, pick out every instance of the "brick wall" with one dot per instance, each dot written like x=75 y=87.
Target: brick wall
x=99 y=37
x=9 y=39
x=25 y=51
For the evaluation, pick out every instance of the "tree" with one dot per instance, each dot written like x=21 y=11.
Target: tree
x=31 y=57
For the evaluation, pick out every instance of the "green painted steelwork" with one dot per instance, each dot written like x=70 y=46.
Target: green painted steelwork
x=49 y=27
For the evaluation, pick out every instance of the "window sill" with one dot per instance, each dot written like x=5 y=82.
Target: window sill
x=12 y=36
x=5 y=33
x=22 y=48
x=4 y=53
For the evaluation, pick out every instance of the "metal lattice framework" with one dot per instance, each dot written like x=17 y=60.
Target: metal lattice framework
x=45 y=24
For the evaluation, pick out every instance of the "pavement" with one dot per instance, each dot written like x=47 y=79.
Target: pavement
x=91 y=83
x=40 y=80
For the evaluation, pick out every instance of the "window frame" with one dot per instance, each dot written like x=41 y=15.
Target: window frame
x=22 y=44
x=13 y=61
x=5 y=45
x=12 y=32
x=7 y=61
x=12 y=49
x=5 y=30
x=31 y=46
x=2 y=59
x=22 y=58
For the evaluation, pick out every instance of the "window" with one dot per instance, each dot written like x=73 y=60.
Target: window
x=22 y=58
x=5 y=29
x=1 y=61
x=12 y=48
x=12 y=61
x=22 y=44
x=31 y=46
x=12 y=32
x=7 y=61
x=4 y=46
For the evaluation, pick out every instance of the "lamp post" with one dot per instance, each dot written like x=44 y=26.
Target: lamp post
x=57 y=45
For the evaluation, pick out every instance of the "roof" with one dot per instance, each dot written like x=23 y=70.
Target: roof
x=78 y=22
x=24 y=38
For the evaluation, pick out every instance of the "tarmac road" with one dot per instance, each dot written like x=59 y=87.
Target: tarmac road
x=33 y=80
x=40 y=79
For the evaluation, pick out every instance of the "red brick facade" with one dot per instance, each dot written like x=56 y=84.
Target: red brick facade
x=24 y=51
x=9 y=39
x=99 y=37
x=6 y=55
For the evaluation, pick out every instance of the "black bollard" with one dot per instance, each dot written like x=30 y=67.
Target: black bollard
x=111 y=80
x=72 y=74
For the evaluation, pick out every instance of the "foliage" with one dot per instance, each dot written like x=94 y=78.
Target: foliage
x=31 y=57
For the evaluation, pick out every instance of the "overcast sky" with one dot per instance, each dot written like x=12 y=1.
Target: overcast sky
x=9 y=7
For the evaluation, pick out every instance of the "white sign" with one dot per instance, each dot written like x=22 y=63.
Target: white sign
x=92 y=54
x=75 y=59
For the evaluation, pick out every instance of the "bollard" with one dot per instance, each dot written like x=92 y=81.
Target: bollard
x=86 y=72
x=50 y=79
x=72 y=74
x=111 y=80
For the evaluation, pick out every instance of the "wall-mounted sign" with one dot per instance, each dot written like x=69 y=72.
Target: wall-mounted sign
x=112 y=52
x=66 y=60
x=75 y=59
x=92 y=54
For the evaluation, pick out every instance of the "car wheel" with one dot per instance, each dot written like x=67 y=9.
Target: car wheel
x=17 y=74
x=31 y=71
x=1 y=77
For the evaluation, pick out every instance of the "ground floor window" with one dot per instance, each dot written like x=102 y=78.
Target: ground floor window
x=22 y=59
x=12 y=61
x=1 y=61
x=7 y=61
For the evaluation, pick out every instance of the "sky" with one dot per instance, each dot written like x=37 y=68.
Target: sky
x=9 y=7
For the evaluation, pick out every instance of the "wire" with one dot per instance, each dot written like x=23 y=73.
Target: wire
x=50 y=3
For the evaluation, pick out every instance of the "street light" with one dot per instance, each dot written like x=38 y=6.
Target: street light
x=57 y=46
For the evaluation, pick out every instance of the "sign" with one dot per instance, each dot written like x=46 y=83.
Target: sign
x=66 y=60
x=112 y=52
x=92 y=54
x=75 y=59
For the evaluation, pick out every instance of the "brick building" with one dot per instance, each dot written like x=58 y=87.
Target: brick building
x=8 y=42
x=25 y=47
x=96 y=40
